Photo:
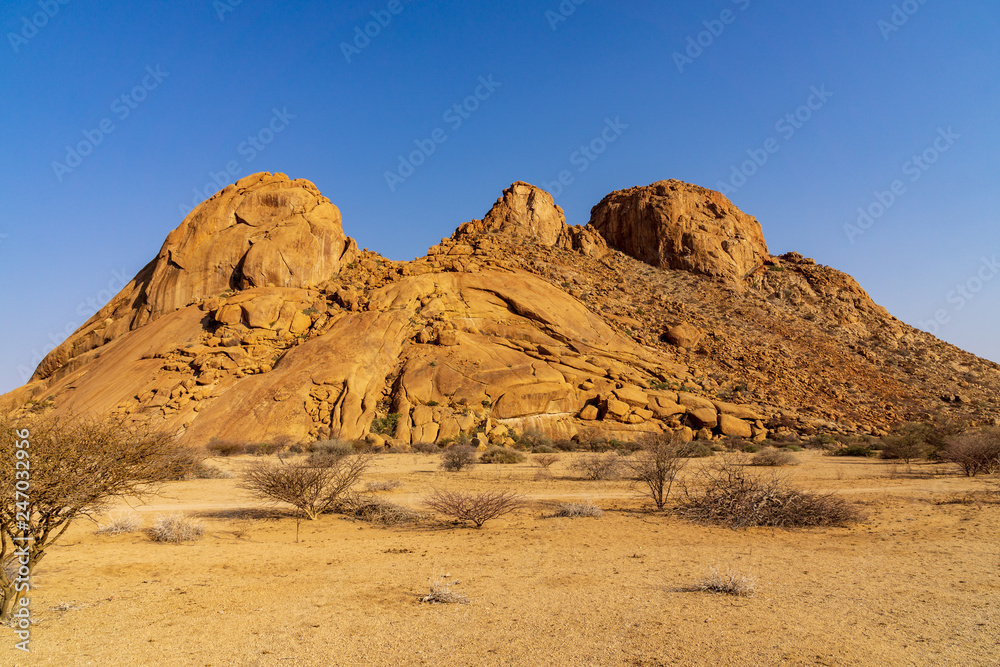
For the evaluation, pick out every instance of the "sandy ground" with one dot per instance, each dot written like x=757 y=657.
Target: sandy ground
x=917 y=584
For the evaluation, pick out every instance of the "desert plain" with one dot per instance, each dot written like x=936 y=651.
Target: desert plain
x=915 y=583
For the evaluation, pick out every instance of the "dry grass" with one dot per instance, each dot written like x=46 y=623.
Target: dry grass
x=383 y=485
x=772 y=457
x=176 y=528
x=729 y=582
x=442 y=591
x=121 y=524
x=375 y=510
x=575 y=510
x=733 y=496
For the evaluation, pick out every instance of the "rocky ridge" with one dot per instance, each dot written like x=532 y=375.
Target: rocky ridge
x=518 y=321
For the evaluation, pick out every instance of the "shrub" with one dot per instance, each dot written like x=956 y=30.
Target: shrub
x=977 y=452
x=733 y=496
x=773 y=457
x=532 y=440
x=425 y=448
x=123 y=523
x=544 y=449
x=698 y=449
x=383 y=485
x=545 y=461
x=458 y=457
x=906 y=443
x=375 y=510
x=854 y=449
x=750 y=449
x=575 y=510
x=175 y=528
x=658 y=463
x=313 y=486
x=200 y=470
x=262 y=449
x=599 y=466
x=331 y=448
x=793 y=448
x=475 y=507
x=500 y=455
x=225 y=448
x=385 y=425
x=729 y=582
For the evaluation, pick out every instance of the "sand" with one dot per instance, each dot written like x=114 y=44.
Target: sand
x=918 y=583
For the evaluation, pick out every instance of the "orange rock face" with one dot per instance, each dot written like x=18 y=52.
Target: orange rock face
x=675 y=225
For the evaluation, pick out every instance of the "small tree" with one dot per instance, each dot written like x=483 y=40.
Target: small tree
x=906 y=443
x=976 y=452
x=475 y=507
x=53 y=471
x=656 y=465
x=312 y=486
x=457 y=457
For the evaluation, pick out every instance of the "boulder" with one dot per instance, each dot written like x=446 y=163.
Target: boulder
x=704 y=417
x=675 y=225
x=632 y=395
x=682 y=335
x=729 y=425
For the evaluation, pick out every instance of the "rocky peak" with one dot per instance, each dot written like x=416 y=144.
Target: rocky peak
x=265 y=230
x=527 y=212
x=672 y=224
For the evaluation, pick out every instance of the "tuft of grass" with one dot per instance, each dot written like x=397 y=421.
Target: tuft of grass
x=729 y=582
x=121 y=524
x=576 y=510
x=442 y=591
x=383 y=485
x=175 y=528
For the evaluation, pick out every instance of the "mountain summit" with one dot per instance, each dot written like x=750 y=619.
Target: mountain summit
x=260 y=320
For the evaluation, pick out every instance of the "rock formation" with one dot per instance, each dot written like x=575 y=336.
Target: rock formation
x=260 y=321
x=675 y=225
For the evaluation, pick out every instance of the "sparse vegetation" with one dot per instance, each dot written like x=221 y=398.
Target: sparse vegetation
x=735 y=497
x=383 y=485
x=772 y=457
x=385 y=425
x=376 y=510
x=442 y=591
x=121 y=524
x=313 y=486
x=175 y=528
x=729 y=582
x=599 y=466
x=975 y=452
x=906 y=443
x=504 y=455
x=76 y=467
x=656 y=465
x=458 y=457
x=225 y=448
x=854 y=449
x=575 y=510
x=477 y=508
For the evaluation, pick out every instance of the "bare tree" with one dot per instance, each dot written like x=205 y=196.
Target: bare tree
x=53 y=471
x=312 y=486
x=656 y=465
x=975 y=452
x=475 y=507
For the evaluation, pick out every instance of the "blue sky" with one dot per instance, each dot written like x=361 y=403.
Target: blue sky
x=166 y=99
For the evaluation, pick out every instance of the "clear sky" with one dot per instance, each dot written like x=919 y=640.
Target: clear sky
x=117 y=116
